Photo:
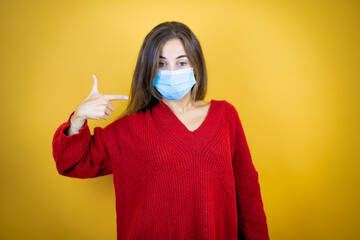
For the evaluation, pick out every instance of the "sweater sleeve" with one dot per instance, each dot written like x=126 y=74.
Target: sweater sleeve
x=80 y=155
x=251 y=216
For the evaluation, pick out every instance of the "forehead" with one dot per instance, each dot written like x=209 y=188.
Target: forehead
x=173 y=47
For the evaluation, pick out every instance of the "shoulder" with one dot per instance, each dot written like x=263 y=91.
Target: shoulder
x=227 y=111
x=230 y=113
x=125 y=122
x=229 y=116
x=228 y=107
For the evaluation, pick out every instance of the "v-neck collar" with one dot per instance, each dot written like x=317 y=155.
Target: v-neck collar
x=166 y=119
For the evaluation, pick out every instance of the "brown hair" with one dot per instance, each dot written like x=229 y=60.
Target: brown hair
x=143 y=94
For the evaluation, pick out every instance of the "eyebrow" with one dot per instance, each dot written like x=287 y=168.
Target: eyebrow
x=176 y=58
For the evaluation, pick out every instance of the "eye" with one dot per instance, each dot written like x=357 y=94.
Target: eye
x=183 y=64
x=161 y=64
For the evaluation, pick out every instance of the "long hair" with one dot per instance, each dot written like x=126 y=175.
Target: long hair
x=143 y=94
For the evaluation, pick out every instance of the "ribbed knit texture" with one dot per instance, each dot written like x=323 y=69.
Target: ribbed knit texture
x=171 y=183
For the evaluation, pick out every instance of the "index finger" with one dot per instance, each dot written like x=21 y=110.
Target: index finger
x=112 y=97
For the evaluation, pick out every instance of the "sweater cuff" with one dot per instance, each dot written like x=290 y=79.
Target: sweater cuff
x=83 y=135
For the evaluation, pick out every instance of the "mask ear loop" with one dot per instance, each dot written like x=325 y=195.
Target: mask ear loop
x=195 y=75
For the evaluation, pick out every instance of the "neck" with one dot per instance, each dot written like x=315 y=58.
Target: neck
x=180 y=106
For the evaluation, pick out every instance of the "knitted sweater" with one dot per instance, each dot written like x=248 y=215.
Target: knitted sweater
x=170 y=182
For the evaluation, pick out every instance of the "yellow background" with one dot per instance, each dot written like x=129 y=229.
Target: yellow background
x=291 y=68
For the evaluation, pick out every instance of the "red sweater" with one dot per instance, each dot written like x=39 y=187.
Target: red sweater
x=171 y=183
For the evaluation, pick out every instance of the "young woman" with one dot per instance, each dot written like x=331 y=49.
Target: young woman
x=181 y=166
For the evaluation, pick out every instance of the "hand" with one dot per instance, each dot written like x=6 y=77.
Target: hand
x=97 y=105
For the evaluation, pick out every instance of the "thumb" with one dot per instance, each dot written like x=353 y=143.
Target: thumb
x=94 y=88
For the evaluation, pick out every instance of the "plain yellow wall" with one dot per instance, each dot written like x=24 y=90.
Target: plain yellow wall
x=291 y=68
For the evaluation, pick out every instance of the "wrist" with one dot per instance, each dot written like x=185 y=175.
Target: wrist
x=73 y=130
x=77 y=117
x=77 y=122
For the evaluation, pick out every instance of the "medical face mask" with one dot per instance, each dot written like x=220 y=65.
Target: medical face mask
x=174 y=85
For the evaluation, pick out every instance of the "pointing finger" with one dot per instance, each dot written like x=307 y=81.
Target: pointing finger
x=112 y=97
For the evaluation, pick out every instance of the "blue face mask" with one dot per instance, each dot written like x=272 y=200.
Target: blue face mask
x=174 y=85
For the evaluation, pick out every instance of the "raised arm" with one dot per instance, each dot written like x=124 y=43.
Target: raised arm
x=76 y=152
x=80 y=155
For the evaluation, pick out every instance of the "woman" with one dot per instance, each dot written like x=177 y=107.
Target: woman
x=181 y=166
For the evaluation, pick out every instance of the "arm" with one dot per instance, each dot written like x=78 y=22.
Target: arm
x=251 y=215
x=80 y=155
x=77 y=121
